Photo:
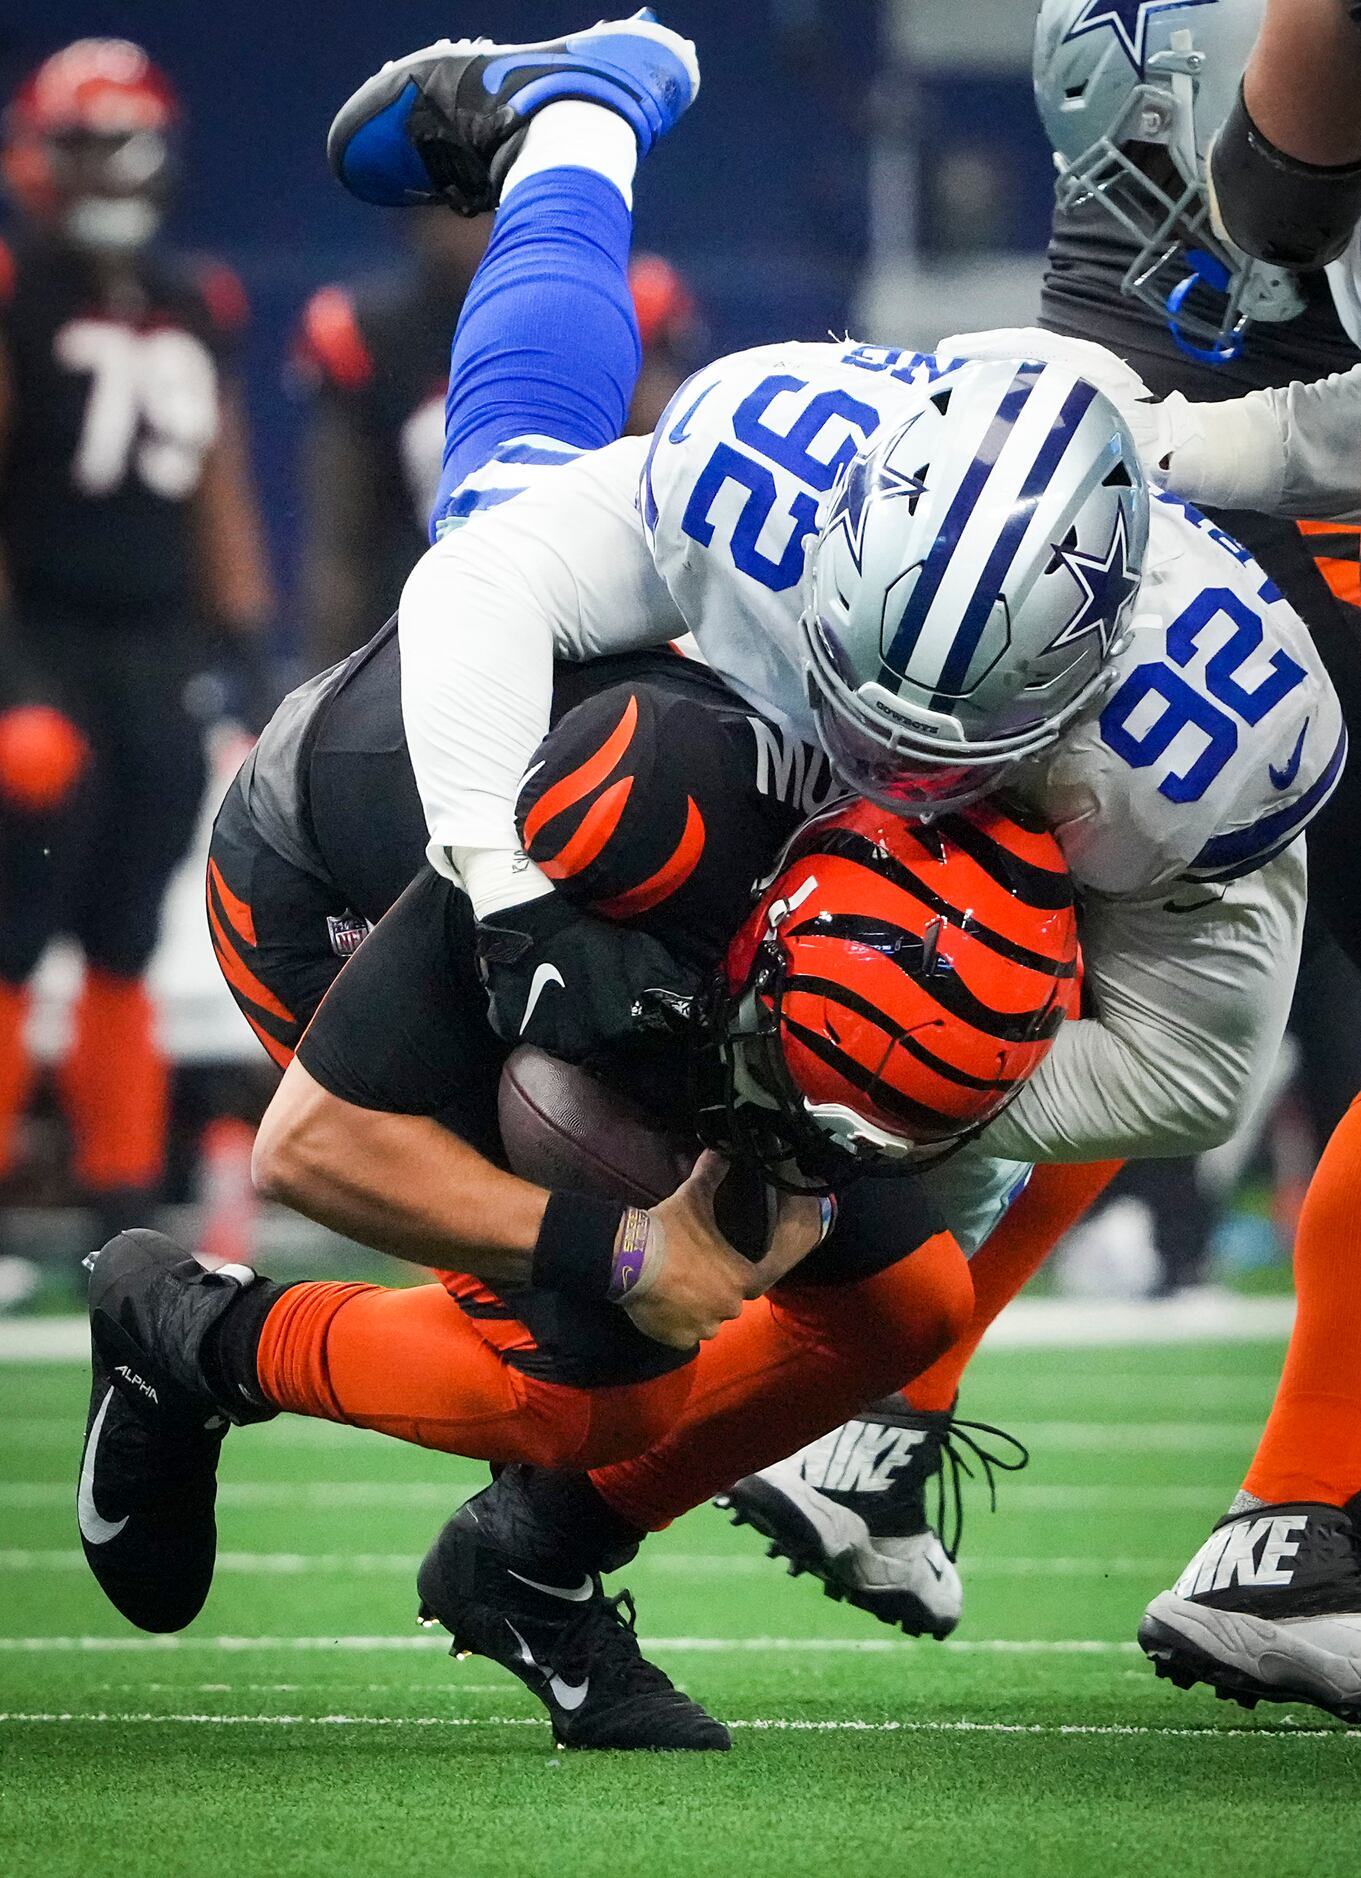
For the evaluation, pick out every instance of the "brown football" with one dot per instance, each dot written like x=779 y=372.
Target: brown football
x=562 y=1128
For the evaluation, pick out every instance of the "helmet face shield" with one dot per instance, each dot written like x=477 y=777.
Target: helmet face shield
x=903 y=785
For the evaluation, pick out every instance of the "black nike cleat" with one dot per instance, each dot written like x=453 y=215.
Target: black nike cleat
x=850 y=1509
x=148 y=1472
x=570 y=1645
x=1268 y=1610
x=444 y=124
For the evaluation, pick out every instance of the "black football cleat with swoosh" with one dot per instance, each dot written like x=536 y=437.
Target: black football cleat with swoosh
x=148 y=1473
x=486 y=1582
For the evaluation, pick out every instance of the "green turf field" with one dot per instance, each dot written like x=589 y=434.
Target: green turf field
x=304 y=1726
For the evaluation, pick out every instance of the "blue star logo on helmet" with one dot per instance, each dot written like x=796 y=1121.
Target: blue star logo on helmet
x=1106 y=583
x=870 y=475
x=1127 y=19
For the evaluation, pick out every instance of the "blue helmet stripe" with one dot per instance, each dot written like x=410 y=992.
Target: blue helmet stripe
x=998 y=564
x=956 y=516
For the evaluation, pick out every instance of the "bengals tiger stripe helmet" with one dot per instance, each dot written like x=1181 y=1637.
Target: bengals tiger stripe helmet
x=895 y=985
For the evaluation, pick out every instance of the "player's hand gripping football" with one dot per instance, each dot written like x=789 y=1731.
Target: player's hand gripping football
x=568 y=982
x=703 y=1281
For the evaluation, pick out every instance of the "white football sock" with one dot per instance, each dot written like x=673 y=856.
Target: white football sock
x=573 y=134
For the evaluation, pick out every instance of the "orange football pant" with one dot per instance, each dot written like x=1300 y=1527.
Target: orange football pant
x=1053 y=1202
x=1311 y=1448
x=793 y=1366
x=410 y=1364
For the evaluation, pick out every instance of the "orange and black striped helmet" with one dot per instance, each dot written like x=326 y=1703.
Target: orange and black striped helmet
x=895 y=985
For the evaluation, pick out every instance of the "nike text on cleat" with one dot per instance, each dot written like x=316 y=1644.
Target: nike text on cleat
x=1268 y=1610
x=444 y=124
x=148 y=1472
x=909 y=1581
x=571 y=1646
x=851 y=1510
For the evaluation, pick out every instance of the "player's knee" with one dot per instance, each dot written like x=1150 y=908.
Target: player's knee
x=286 y=1155
x=917 y=1309
x=43 y=756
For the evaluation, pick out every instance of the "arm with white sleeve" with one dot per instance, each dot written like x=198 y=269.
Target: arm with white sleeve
x=1293 y=450
x=1191 y=987
x=560 y=569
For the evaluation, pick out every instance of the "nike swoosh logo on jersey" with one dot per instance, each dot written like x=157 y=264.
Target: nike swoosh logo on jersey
x=544 y=976
x=577 y=1596
x=94 y=1529
x=680 y=432
x=1283 y=778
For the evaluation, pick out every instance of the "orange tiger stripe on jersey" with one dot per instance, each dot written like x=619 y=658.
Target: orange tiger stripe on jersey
x=1336 y=547
x=596 y=826
x=235 y=908
x=239 y=975
x=669 y=877
x=585 y=777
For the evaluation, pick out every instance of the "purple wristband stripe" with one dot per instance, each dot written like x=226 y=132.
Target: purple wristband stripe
x=630 y=1254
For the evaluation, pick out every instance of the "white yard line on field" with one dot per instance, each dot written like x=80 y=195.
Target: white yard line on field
x=773 y=1724
x=671 y=1564
x=437 y=1640
x=1028 y=1324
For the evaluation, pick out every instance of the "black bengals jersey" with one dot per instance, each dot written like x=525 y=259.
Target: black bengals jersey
x=113 y=390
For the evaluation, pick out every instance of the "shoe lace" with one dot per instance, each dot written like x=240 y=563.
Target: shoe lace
x=958 y=1440
x=602 y=1643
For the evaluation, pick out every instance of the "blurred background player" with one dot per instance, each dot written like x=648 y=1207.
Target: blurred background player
x=128 y=537
x=375 y=358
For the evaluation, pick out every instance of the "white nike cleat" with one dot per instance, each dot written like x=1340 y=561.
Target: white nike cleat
x=850 y=1508
x=1268 y=1610
x=909 y=1580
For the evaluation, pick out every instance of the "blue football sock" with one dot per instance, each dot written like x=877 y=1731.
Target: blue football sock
x=547 y=344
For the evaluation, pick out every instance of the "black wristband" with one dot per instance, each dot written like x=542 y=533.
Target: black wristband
x=1291 y=214
x=575 y=1247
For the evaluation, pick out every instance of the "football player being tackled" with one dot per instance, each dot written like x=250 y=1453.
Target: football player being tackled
x=988 y=597
x=566 y=1338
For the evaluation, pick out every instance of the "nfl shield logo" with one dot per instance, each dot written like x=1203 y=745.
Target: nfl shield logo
x=348 y=932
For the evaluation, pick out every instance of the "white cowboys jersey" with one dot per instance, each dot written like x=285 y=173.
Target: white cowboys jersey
x=1221 y=736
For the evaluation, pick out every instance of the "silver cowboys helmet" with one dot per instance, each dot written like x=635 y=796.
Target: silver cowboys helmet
x=972 y=583
x=1131 y=93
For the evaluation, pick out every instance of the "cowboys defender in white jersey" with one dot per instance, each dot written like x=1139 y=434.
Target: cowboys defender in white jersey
x=948 y=572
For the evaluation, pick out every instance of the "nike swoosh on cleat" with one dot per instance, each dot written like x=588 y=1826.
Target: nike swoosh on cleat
x=566 y=1694
x=544 y=976
x=94 y=1529
x=1282 y=778
x=577 y=1596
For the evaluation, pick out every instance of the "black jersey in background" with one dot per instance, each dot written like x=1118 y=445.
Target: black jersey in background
x=113 y=390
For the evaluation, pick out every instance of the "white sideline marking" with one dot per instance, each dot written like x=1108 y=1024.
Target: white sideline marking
x=781 y=1724
x=672 y=1564
x=1028 y=1324
x=437 y=1640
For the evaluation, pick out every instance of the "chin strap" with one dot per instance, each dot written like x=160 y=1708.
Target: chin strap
x=1210 y=272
